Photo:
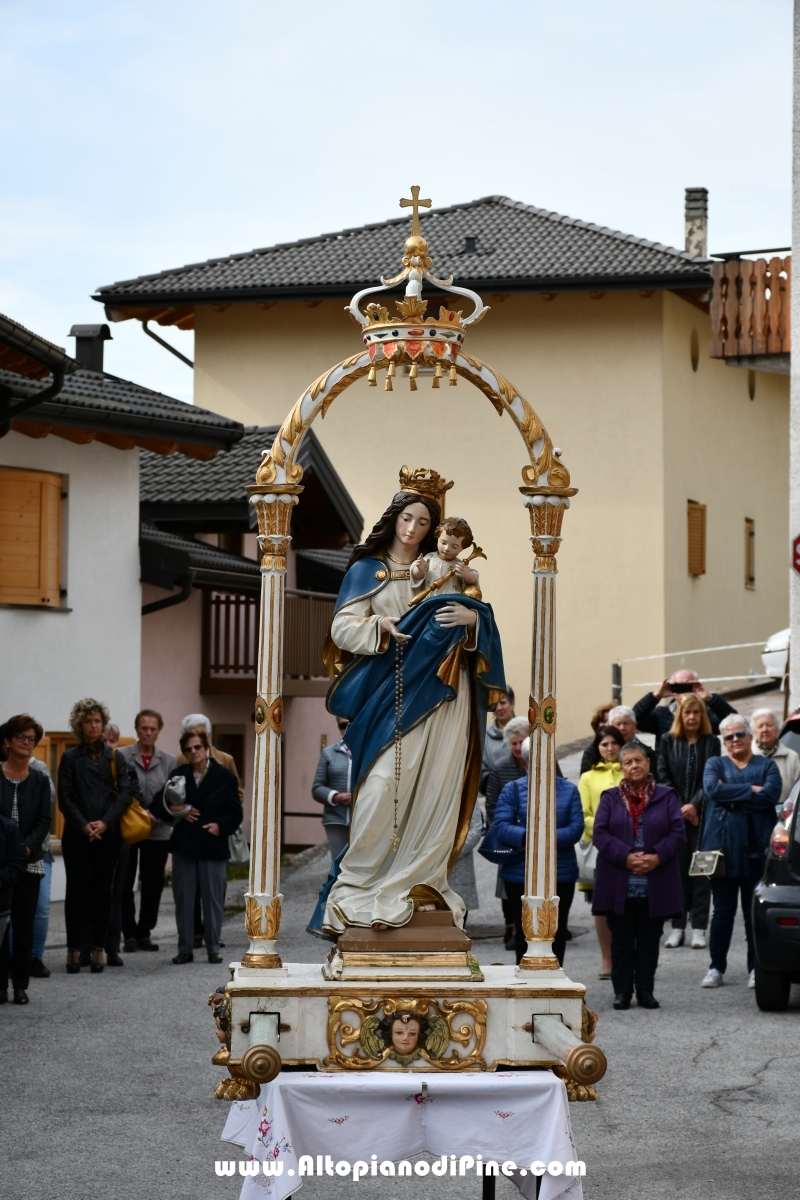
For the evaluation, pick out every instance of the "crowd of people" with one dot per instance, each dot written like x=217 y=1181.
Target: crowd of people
x=627 y=835
x=125 y=810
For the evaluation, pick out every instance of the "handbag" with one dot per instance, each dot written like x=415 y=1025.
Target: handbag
x=586 y=854
x=495 y=851
x=707 y=864
x=238 y=847
x=134 y=824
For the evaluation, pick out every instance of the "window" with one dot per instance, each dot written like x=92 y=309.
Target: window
x=30 y=538
x=749 y=553
x=696 y=522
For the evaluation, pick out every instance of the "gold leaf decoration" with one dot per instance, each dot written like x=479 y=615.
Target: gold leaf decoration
x=547 y=920
x=262 y=920
x=252 y=917
x=411 y=307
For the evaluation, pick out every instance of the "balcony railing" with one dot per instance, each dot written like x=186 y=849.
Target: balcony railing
x=230 y=642
x=750 y=307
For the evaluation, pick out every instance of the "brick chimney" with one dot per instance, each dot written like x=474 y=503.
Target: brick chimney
x=89 y=345
x=696 y=221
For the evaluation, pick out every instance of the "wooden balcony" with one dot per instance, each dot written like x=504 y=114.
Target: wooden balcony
x=750 y=313
x=230 y=643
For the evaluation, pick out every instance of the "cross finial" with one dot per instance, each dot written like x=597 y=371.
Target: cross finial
x=415 y=203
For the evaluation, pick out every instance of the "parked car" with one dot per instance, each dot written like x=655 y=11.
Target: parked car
x=776 y=913
x=775 y=653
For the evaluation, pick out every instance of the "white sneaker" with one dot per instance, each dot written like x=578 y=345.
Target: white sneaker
x=698 y=939
x=714 y=978
x=675 y=939
x=751 y=983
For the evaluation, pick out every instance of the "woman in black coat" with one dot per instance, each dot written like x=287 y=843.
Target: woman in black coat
x=25 y=799
x=94 y=790
x=683 y=754
x=207 y=813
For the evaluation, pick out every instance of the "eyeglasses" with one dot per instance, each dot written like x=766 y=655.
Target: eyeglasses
x=191 y=749
x=25 y=737
x=735 y=737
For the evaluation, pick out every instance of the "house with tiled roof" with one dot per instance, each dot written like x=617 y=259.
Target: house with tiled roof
x=201 y=587
x=607 y=335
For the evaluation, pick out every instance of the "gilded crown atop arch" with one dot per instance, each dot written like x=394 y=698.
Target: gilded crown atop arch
x=409 y=338
x=425 y=482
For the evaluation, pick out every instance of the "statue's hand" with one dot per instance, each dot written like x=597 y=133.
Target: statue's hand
x=387 y=625
x=456 y=614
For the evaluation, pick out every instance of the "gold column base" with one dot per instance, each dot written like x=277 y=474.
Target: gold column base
x=547 y=962
x=261 y=960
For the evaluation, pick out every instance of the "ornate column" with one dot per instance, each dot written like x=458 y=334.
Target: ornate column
x=273 y=504
x=546 y=507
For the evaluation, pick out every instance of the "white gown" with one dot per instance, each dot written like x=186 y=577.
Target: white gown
x=375 y=880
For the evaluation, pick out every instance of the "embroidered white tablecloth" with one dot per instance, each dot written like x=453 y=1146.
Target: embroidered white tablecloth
x=518 y=1117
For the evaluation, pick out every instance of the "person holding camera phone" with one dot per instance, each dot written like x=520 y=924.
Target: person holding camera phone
x=653 y=717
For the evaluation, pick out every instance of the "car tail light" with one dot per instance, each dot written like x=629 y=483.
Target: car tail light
x=788 y=921
x=779 y=842
x=788 y=808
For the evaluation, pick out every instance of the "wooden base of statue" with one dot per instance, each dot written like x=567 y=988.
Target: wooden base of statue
x=485 y=1019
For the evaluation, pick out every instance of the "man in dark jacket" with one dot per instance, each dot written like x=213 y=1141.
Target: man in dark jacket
x=654 y=718
x=331 y=789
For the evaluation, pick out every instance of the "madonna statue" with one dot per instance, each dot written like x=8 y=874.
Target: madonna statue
x=415 y=683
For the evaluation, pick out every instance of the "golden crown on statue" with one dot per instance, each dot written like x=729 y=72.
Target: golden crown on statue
x=412 y=339
x=425 y=482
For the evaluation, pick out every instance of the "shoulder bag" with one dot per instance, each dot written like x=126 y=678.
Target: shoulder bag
x=238 y=847
x=134 y=824
x=586 y=854
x=495 y=851
x=708 y=864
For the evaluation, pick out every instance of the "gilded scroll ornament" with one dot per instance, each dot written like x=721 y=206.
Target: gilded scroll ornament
x=404 y=1030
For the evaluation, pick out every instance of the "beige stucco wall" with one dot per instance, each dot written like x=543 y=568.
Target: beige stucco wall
x=641 y=433
x=591 y=368
x=730 y=453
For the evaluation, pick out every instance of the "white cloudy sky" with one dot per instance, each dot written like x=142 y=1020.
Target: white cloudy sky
x=142 y=135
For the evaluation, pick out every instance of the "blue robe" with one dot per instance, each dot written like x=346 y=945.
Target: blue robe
x=364 y=691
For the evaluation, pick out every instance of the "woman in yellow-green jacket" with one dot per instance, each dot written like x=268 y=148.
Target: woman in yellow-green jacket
x=604 y=774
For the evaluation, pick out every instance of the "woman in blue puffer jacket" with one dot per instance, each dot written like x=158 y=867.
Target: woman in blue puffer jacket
x=510 y=819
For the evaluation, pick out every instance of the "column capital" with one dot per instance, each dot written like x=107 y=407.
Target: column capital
x=546 y=507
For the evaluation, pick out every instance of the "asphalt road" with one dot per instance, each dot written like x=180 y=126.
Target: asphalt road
x=107 y=1087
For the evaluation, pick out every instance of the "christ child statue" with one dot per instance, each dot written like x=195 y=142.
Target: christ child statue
x=453 y=535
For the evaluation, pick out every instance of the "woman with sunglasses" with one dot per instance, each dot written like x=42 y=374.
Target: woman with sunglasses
x=205 y=810
x=683 y=754
x=25 y=799
x=741 y=792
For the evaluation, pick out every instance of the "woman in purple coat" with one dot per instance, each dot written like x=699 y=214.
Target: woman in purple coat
x=638 y=832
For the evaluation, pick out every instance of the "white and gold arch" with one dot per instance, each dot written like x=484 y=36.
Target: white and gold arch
x=412 y=340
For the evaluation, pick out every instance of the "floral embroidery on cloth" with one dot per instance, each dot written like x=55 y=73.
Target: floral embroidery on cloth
x=503 y=1115
x=418 y=1098
x=338 y=1120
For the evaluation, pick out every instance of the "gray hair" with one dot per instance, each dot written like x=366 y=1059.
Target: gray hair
x=196 y=721
x=633 y=748
x=732 y=721
x=683 y=671
x=765 y=712
x=515 y=727
x=621 y=711
x=525 y=749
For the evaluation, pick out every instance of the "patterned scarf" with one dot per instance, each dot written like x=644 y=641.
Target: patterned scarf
x=637 y=796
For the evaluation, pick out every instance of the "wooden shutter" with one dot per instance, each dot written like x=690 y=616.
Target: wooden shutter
x=30 y=537
x=696 y=520
x=749 y=553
